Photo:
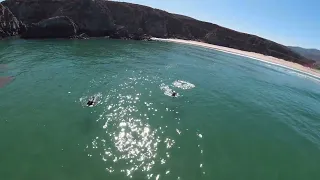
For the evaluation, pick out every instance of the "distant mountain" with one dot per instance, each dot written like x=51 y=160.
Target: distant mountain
x=313 y=54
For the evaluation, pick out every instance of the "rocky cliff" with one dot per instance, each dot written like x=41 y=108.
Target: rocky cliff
x=9 y=24
x=131 y=21
x=55 y=27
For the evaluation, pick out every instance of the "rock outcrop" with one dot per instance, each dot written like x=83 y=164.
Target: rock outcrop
x=9 y=24
x=55 y=27
x=131 y=21
x=80 y=36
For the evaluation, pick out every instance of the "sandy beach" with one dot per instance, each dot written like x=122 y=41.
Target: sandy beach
x=260 y=57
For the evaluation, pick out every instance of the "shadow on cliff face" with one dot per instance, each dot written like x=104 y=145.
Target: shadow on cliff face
x=56 y=27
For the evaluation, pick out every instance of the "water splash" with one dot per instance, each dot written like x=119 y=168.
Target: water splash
x=166 y=89
x=183 y=84
x=98 y=99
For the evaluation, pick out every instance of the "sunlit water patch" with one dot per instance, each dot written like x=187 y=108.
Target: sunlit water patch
x=130 y=144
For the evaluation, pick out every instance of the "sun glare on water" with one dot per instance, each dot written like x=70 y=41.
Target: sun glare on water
x=130 y=144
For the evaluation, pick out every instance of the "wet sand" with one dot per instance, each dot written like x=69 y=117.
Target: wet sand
x=256 y=56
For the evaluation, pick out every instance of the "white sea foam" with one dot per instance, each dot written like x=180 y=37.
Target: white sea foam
x=183 y=84
x=293 y=72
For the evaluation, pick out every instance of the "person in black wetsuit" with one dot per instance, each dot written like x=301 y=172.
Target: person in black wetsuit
x=91 y=102
x=174 y=94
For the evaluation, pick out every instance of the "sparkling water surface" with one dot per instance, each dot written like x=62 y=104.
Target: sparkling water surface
x=233 y=118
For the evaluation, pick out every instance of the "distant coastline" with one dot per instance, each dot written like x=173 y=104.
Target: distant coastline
x=82 y=19
x=256 y=56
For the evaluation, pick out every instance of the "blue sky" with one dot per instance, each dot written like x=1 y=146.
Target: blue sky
x=289 y=22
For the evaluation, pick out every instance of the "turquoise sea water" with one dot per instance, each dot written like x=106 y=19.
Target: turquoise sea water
x=234 y=118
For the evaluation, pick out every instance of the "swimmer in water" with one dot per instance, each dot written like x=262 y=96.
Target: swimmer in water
x=91 y=102
x=174 y=94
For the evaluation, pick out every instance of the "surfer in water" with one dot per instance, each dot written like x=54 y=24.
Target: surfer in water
x=91 y=102
x=174 y=94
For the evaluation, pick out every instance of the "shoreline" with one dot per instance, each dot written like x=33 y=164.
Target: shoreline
x=252 y=55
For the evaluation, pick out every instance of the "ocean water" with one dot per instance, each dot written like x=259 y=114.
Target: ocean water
x=233 y=118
